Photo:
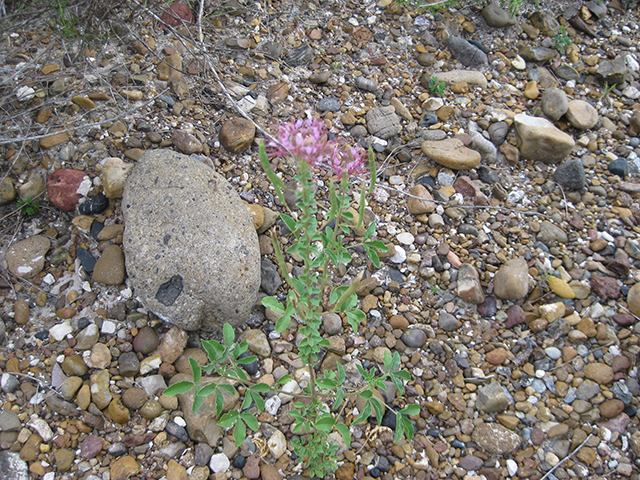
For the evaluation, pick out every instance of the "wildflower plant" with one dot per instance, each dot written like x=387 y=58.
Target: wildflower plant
x=320 y=407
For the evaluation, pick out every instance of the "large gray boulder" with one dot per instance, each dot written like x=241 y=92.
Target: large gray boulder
x=191 y=249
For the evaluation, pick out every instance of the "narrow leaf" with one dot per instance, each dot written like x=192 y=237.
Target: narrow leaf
x=377 y=406
x=412 y=409
x=228 y=334
x=346 y=434
x=195 y=370
x=208 y=389
x=178 y=388
x=261 y=387
x=250 y=420
x=197 y=402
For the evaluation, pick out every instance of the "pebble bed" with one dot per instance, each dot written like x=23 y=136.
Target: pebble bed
x=510 y=288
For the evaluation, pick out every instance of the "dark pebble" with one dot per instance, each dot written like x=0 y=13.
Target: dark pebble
x=488 y=175
x=251 y=368
x=488 y=308
x=458 y=444
x=427 y=180
x=117 y=449
x=42 y=335
x=83 y=322
x=467 y=229
x=630 y=410
x=167 y=99
x=87 y=260
x=203 y=453
x=619 y=167
x=383 y=464
x=94 y=205
x=270 y=281
x=328 y=104
x=177 y=431
x=374 y=472
x=96 y=228
x=299 y=56
x=239 y=461
x=428 y=119
x=389 y=419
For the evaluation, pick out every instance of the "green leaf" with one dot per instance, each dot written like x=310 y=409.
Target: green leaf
x=261 y=387
x=257 y=398
x=283 y=323
x=408 y=428
x=354 y=317
x=284 y=379
x=227 y=388
x=363 y=204
x=195 y=370
x=197 y=402
x=247 y=360
x=378 y=245
x=250 y=420
x=341 y=373
x=377 y=406
x=229 y=419
x=403 y=374
x=346 y=434
x=219 y=402
x=364 y=414
x=347 y=216
x=371 y=229
x=239 y=433
x=373 y=256
x=228 y=334
x=326 y=384
x=178 y=388
x=273 y=304
x=339 y=398
x=289 y=222
x=399 y=429
x=275 y=180
x=208 y=389
x=325 y=423
x=412 y=409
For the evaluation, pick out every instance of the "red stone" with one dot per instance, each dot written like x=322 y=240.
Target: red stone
x=90 y=447
x=606 y=287
x=177 y=14
x=62 y=188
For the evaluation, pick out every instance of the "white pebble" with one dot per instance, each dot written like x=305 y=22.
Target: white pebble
x=405 y=238
x=277 y=444
x=219 y=463
x=60 y=331
x=180 y=421
x=108 y=327
x=400 y=256
x=41 y=427
x=272 y=405
x=512 y=467
x=25 y=94
x=49 y=476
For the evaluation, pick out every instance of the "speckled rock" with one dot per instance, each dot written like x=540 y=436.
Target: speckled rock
x=495 y=439
x=189 y=209
x=25 y=258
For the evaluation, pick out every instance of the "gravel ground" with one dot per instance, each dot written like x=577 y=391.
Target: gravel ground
x=510 y=289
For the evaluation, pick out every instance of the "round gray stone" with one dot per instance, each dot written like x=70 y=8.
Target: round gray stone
x=191 y=249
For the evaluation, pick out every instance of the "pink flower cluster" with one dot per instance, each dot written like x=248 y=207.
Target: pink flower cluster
x=307 y=141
